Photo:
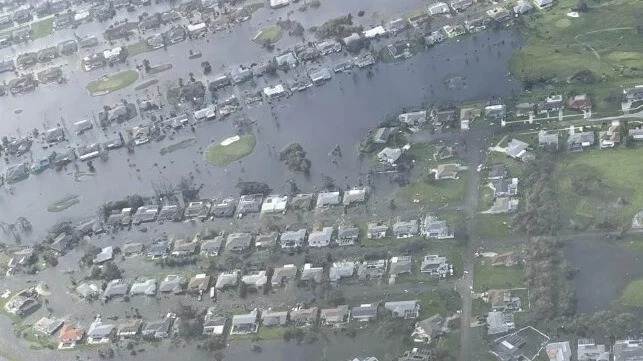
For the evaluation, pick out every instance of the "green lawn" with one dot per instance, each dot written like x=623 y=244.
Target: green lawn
x=221 y=155
x=251 y=8
x=590 y=185
x=113 y=82
x=272 y=332
x=485 y=276
x=435 y=193
x=63 y=204
x=138 y=48
x=268 y=35
x=42 y=28
x=559 y=46
x=633 y=293
x=442 y=301
x=514 y=167
x=494 y=226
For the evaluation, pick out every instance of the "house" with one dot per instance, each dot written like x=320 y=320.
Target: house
x=543 y=4
x=241 y=75
x=376 y=231
x=525 y=109
x=580 y=102
x=364 y=313
x=351 y=39
x=129 y=329
x=495 y=112
x=275 y=4
x=498 y=171
x=274 y=204
x=628 y=350
x=200 y=283
x=435 y=37
x=250 y=203
x=224 y=209
x=145 y=214
x=55 y=135
x=287 y=60
x=312 y=274
x=198 y=209
x=304 y=316
x=69 y=335
x=87 y=290
x=158 y=249
x=381 y=135
x=302 y=201
x=399 y=265
x=443 y=117
x=635 y=133
x=504 y=187
x=266 y=241
x=238 y=242
x=405 y=229
x=416 y=354
x=325 y=199
x=145 y=287
x=227 y=279
x=522 y=7
x=355 y=195
x=347 y=235
x=335 y=316
x=502 y=205
x=341 y=269
x=429 y=329
x=320 y=238
x=499 y=14
x=403 y=309
x=435 y=265
x=461 y=5
x=435 y=228
x=106 y=254
x=413 y=118
x=292 y=239
x=319 y=76
x=175 y=35
x=611 y=137
x=548 y=139
x=588 y=350
x=115 y=288
x=256 y=280
x=375 y=32
x=399 y=50
x=207 y=113
x=634 y=94
x=397 y=25
x=389 y=155
x=516 y=149
x=62 y=242
x=577 y=141
x=158 y=329
x=283 y=275
x=47 y=326
x=245 y=323
x=559 y=351
x=438 y=9
x=501 y=300
x=274 y=318
x=418 y=20
x=274 y=92
x=100 y=332
x=213 y=324
x=372 y=269
x=552 y=103
x=184 y=247
x=197 y=30
x=211 y=247
x=121 y=217
x=506 y=259
x=173 y=284
x=447 y=171
x=500 y=322
x=328 y=46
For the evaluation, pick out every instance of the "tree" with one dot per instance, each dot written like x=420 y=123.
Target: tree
x=246 y=188
x=581 y=7
x=294 y=157
x=111 y=272
x=146 y=65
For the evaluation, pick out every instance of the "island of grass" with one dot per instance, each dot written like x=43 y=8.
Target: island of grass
x=633 y=294
x=63 y=204
x=268 y=35
x=139 y=48
x=224 y=152
x=113 y=82
x=42 y=28
x=596 y=53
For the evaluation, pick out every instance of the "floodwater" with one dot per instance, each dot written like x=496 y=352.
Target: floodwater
x=340 y=113
x=596 y=284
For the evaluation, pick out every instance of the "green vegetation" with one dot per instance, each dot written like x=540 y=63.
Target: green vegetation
x=147 y=84
x=598 y=188
x=494 y=226
x=488 y=277
x=633 y=294
x=63 y=204
x=268 y=35
x=159 y=68
x=442 y=301
x=272 y=332
x=599 y=51
x=439 y=192
x=182 y=144
x=251 y=8
x=139 y=48
x=42 y=28
x=114 y=82
x=221 y=155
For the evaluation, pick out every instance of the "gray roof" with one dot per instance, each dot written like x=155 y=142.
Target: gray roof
x=212 y=245
x=281 y=274
x=354 y=195
x=582 y=137
x=116 y=288
x=158 y=248
x=405 y=227
x=100 y=330
x=238 y=241
x=134 y=247
x=144 y=287
x=227 y=279
x=292 y=238
x=498 y=171
x=500 y=322
x=547 y=138
x=515 y=147
x=287 y=59
x=321 y=237
x=248 y=318
x=391 y=155
x=402 y=308
x=173 y=283
x=628 y=350
x=364 y=311
x=250 y=203
x=309 y=273
x=328 y=199
x=400 y=264
x=87 y=290
x=266 y=240
x=240 y=75
x=272 y=318
x=335 y=315
x=347 y=232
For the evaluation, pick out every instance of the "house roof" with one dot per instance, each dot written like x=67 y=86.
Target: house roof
x=334 y=315
x=401 y=307
x=146 y=287
x=322 y=236
x=87 y=290
x=99 y=329
x=328 y=199
x=400 y=264
x=347 y=232
x=377 y=228
x=133 y=247
x=498 y=171
x=226 y=279
x=304 y=314
x=301 y=201
x=432 y=326
x=288 y=271
x=390 y=155
x=129 y=326
x=354 y=195
x=212 y=245
x=105 y=254
x=582 y=137
x=257 y=279
x=116 y=287
x=238 y=240
x=547 y=138
x=341 y=270
x=406 y=227
x=309 y=273
x=248 y=318
x=266 y=240
x=70 y=333
x=173 y=283
x=364 y=311
x=515 y=148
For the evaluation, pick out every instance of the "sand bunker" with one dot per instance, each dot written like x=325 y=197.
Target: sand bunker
x=230 y=140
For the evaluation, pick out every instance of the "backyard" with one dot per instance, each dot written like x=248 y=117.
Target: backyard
x=488 y=277
x=113 y=82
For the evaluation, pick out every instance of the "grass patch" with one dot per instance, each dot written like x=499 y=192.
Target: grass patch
x=145 y=85
x=221 y=155
x=63 y=204
x=42 y=28
x=272 y=332
x=633 y=293
x=268 y=35
x=494 y=226
x=139 y=48
x=443 y=301
x=182 y=144
x=251 y=8
x=514 y=167
x=439 y=192
x=590 y=184
x=487 y=277
x=159 y=69
x=558 y=47
x=113 y=82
